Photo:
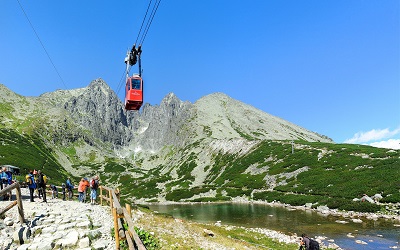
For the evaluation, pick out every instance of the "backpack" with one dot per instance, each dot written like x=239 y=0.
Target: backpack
x=28 y=179
x=45 y=179
x=93 y=184
x=314 y=245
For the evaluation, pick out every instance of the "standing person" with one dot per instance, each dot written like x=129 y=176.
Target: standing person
x=70 y=187
x=81 y=189
x=54 y=191
x=1 y=178
x=42 y=184
x=63 y=190
x=30 y=180
x=38 y=190
x=9 y=180
x=94 y=185
x=87 y=185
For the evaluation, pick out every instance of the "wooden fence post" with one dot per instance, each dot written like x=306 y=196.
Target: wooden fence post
x=111 y=199
x=101 y=195
x=116 y=231
x=128 y=208
x=20 y=206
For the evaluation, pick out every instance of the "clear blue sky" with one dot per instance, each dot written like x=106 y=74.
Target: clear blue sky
x=332 y=66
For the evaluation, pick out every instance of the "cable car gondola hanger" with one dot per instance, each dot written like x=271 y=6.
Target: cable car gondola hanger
x=134 y=84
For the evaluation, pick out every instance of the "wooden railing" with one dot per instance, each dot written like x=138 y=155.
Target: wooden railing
x=18 y=202
x=121 y=216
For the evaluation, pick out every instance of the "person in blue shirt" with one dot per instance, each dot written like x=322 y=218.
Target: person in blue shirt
x=69 y=187
x=30 y=180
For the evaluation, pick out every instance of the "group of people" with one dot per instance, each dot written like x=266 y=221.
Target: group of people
x=5 y=180
x=36 y=180
x=84 y=186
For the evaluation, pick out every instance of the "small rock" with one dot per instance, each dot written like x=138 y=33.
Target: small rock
x=8 y=221
x=85 y=242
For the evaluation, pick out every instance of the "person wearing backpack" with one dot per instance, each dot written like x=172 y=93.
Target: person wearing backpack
x=94 y=185
x=30 y=180
x=308 y=244
x=70 y=188
x=42 y=184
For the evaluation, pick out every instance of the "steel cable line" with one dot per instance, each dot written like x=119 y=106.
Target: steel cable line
x=144 y=19
x=40 y=41
x=150 y=20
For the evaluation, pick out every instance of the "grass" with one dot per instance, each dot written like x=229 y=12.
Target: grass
x=181 y=234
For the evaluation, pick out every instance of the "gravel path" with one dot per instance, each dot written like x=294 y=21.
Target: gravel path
x=56 y=224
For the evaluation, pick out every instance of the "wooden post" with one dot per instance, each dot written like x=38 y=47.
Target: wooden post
x=128 y=208
x=101 y=195
x=118 y=194
x=2 y=211
x=111 y=199
x=20 y=206
x=116 y=231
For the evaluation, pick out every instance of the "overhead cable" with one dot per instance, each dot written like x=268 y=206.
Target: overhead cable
x=40 y=41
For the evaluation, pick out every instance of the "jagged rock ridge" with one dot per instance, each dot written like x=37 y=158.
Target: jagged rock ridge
x=95 y=115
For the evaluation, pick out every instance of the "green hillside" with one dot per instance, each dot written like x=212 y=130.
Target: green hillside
x=319 y=173
x=28 y=152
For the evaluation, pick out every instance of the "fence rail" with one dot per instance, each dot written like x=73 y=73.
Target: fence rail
x=121 y=215
x=18 y=202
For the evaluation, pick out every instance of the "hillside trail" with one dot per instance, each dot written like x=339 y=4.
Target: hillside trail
x=56 y=224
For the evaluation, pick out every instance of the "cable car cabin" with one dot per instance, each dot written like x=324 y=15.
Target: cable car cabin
x=134 y=93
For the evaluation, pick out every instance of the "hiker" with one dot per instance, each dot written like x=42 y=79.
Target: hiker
x=308 y=244
x=42 y=184
x=94 y=185
x=63 y=190
x=6 y=179
x=54 y=191
x=1 y=177
x=87 y=185
x=30 y=180
x=37 y=189
x=70 y=187
x=81 y=189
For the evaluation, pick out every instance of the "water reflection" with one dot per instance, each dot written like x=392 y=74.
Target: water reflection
x=379 y=234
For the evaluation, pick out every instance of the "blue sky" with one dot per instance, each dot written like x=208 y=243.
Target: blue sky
x=332 y=67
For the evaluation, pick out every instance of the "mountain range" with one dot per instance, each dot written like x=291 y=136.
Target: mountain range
x=177 y=150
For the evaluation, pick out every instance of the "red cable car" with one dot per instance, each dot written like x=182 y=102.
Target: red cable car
x=134 y=92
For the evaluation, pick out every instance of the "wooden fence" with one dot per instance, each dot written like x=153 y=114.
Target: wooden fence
x=121 y=215
x=18 y=202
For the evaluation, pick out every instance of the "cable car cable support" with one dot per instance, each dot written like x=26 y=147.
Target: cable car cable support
x=134 y=55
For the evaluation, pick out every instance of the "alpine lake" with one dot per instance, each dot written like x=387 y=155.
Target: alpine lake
x=368 y=234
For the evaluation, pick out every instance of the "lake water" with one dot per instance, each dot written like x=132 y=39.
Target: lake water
x=379 y=234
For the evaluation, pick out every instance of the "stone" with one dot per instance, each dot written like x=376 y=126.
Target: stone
x=84 y=242
x=8 y=221
x=70 y=240
x=84 y=224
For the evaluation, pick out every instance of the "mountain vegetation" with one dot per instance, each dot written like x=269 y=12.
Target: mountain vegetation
x=216 y=149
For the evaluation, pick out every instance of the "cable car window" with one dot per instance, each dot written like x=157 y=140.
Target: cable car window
x=135 y=84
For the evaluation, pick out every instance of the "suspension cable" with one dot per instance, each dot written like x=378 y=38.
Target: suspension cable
x=150 y=20
x=40 y=41
x=148 y=7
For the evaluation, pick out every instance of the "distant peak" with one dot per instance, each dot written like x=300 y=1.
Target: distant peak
x=170 y=97
x=98 y=82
